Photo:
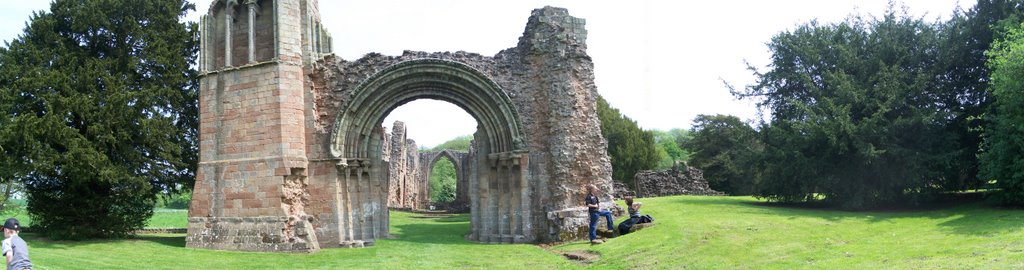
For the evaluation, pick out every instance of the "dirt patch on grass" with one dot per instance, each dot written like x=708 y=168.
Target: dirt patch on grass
x=583 y=257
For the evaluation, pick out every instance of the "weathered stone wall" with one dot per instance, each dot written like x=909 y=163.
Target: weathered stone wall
x=405 y=190
x=620 y=190
x=292 y=160
x=549 y=77
x=675 y=181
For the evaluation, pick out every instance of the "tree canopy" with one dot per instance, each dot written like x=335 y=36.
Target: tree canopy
x=460 y=143
x=630 y=148
x=871 y=111
x=857 y=118
x=1003 y=152
x=670 y=148
x=99 y=103
x=726 y=149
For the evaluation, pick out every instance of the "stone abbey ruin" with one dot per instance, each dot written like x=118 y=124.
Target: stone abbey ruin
x=292 y=148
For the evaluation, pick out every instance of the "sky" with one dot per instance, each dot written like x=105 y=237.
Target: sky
x=660 y=63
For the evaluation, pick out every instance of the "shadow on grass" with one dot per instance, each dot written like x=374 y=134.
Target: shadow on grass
x=171 y=240
x=454 y=218
x=36 y=240
x=968 y=214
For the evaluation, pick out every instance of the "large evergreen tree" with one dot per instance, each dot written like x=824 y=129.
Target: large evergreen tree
x=855 y=118
x=99 y=103
x=630 y=148
x=726 y=149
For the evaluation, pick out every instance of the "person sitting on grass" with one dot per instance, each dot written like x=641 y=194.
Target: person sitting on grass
x=633 y=207
x=634 y=215
x=14 y=248
x=593 y=208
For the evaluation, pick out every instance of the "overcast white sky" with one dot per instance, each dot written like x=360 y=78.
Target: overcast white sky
x=660 y=62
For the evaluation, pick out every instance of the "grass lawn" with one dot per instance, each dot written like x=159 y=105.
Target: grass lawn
x=741 y=233
x=421 y=243
x=691 y=232
x=168 y=218
x=162 y=217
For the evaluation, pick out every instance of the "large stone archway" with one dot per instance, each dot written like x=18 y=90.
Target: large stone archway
x=291 y=136
x=500 y=203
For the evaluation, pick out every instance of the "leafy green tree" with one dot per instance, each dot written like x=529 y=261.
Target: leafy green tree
x=630 y=148
x=442 y=181
x=962 y=83
x=682 y=136
x=725 y=148
x=443 y=175
x=1002 y=158
x=669 y=149
x=99 y=103
x=460 y=143
x=854 y=116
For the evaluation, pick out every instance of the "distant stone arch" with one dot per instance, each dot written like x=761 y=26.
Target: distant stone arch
x=460 y=160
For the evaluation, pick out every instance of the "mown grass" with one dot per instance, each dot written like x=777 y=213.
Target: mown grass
x=168 y=218
x=162 y=217
x=430 y=243
x=691 y=232
x=742 y=233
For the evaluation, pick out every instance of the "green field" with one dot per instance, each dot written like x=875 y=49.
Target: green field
x=162 y=217
x=691 y=232
x=168 y=218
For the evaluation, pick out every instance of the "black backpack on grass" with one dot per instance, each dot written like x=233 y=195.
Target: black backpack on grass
x=645 y=219
x=626 y=225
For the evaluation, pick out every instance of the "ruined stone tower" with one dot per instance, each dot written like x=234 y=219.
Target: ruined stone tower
x=251 y=187
x=291 y=139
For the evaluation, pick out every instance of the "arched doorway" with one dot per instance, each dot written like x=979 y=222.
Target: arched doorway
x=459 y=161
x=497 y=187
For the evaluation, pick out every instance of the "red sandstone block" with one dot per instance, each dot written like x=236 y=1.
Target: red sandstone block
x=230 y=169
x=239 y=195
x=271 y=189
x=281 y=171
x=251 y=203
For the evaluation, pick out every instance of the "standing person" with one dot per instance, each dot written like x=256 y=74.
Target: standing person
x=14 y=248
x=593 y=207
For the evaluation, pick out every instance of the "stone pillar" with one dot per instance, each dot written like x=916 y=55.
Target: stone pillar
x=228 y=9
x=203 y=32
x=252 y=29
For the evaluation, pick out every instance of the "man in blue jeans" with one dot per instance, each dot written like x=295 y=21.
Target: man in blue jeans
x=593 y=207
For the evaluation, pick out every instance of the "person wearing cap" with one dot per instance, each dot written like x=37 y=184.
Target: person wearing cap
x=14 y=248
